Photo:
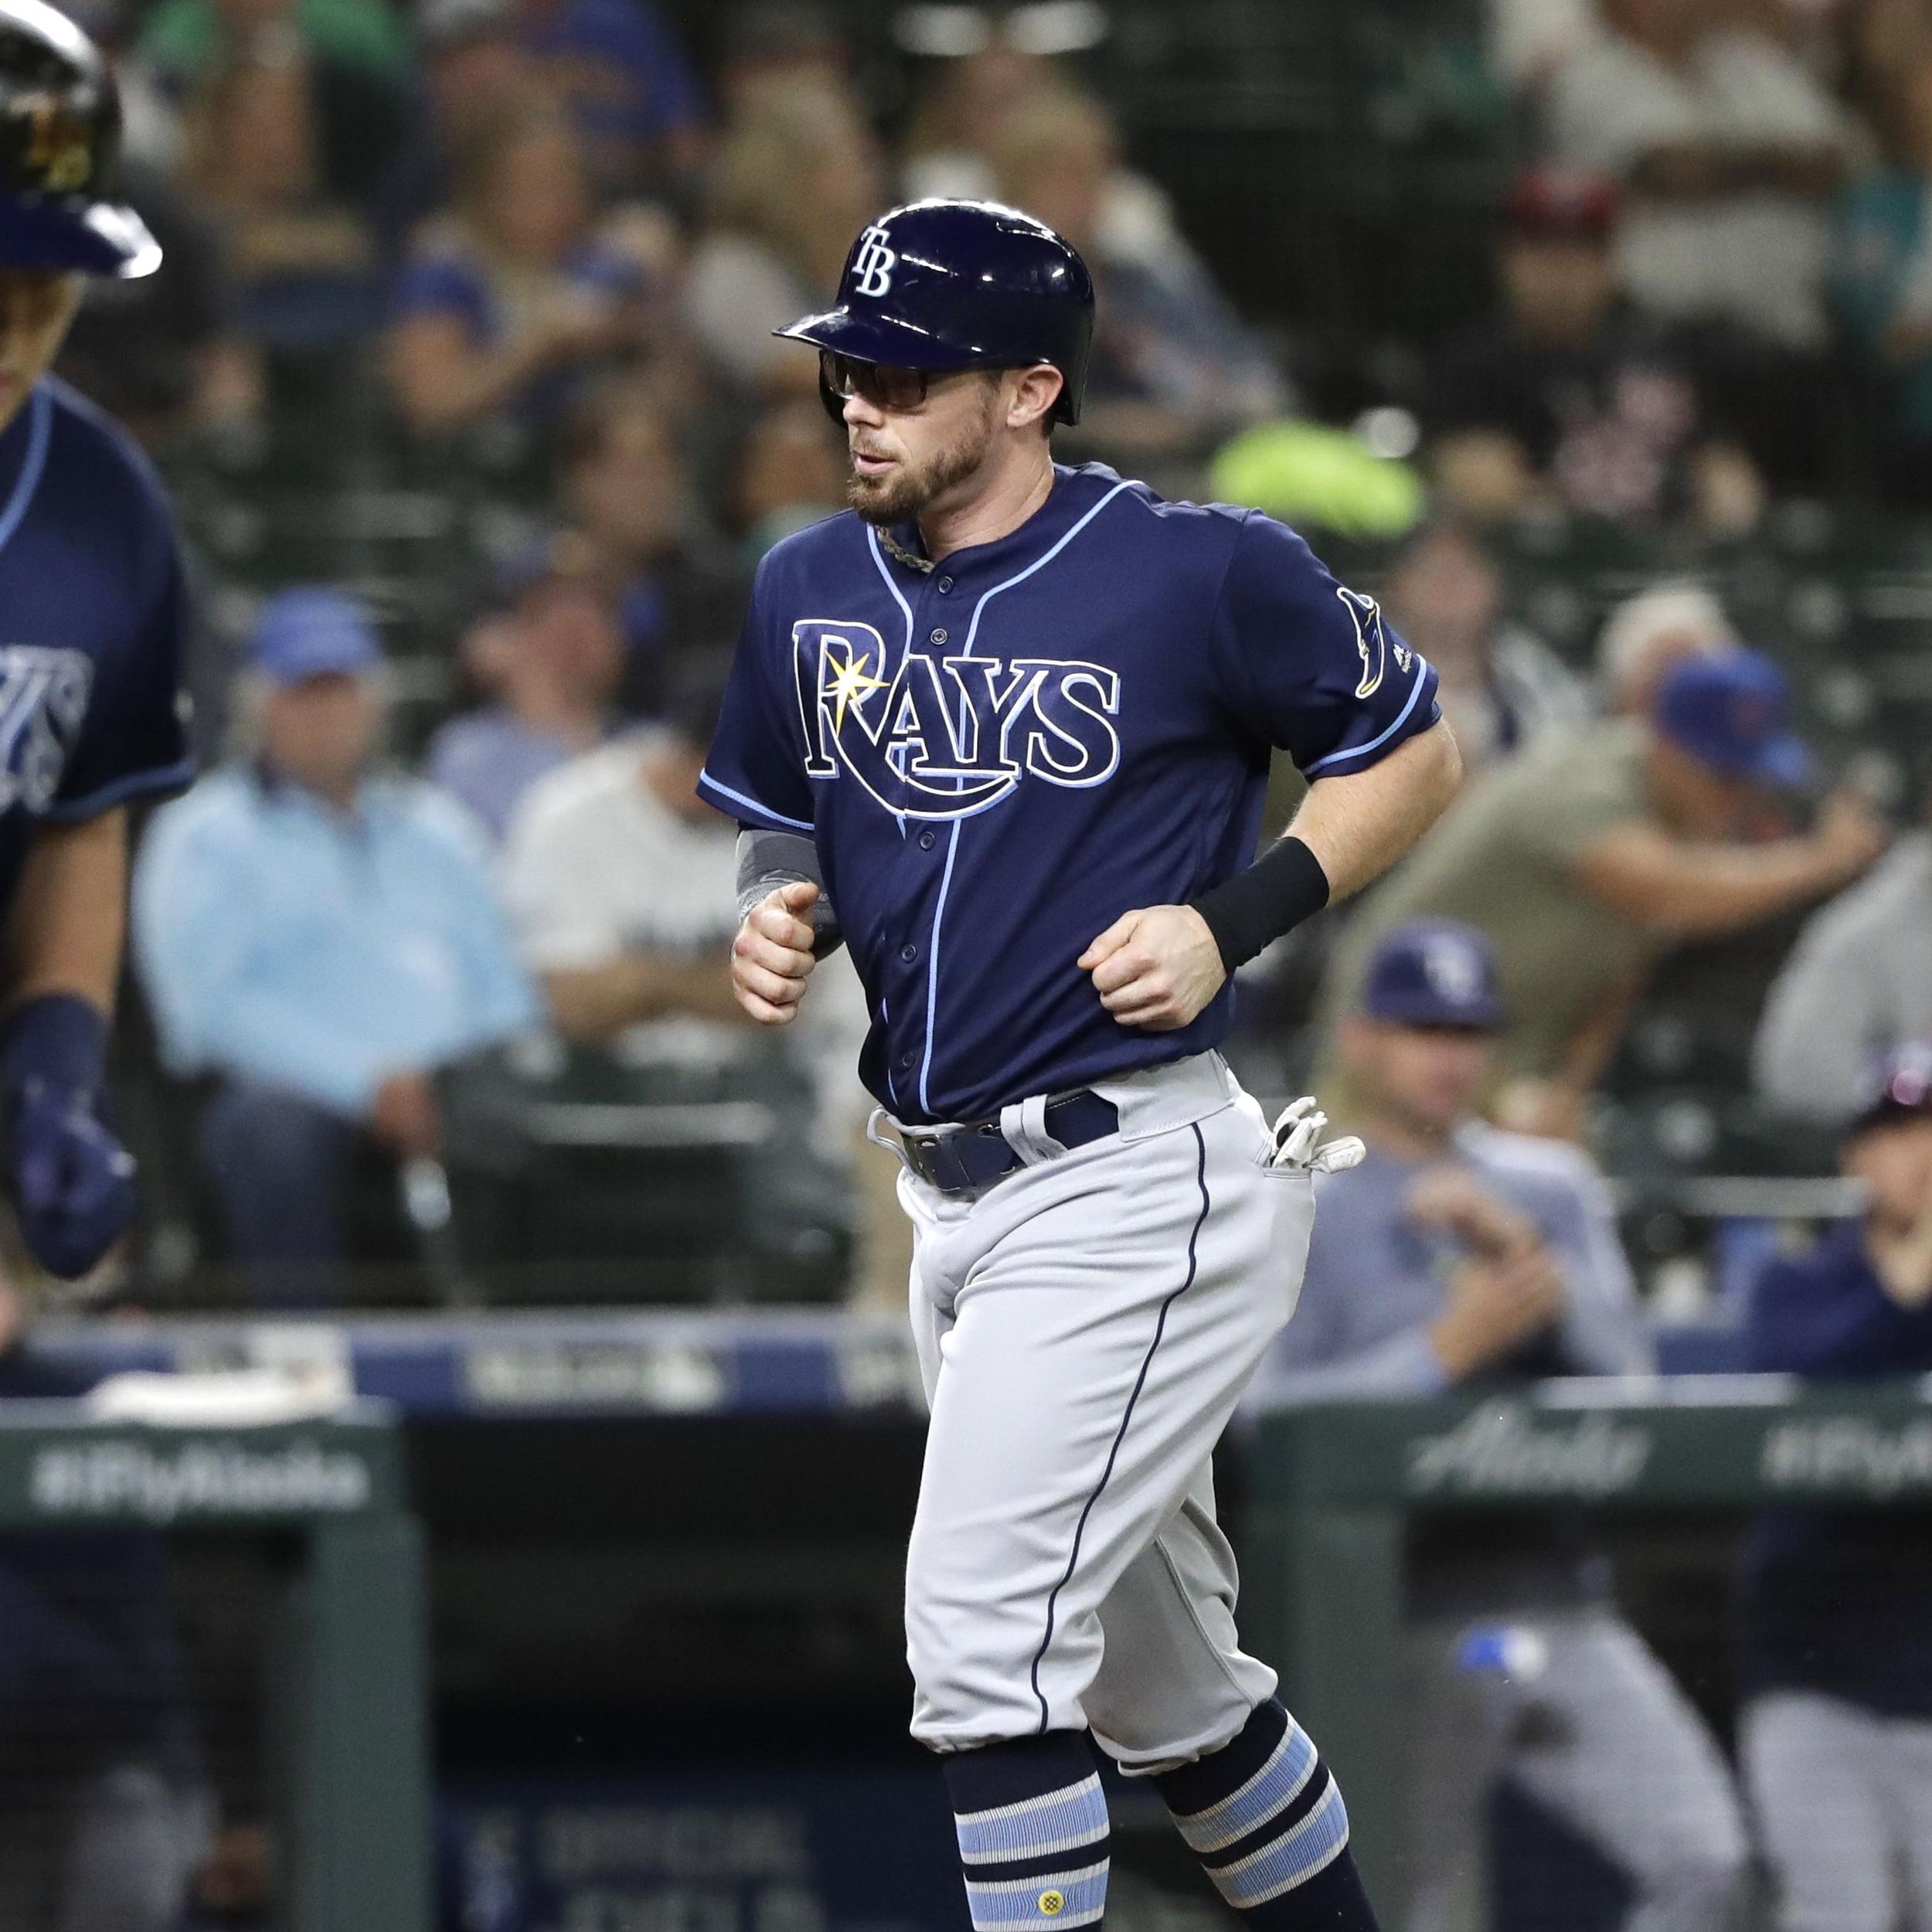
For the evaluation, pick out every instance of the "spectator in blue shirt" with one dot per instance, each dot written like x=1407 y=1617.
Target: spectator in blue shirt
x=505 y=303
x=630 y=89
x=553 y=652
x=320 y=940
x=1836 y=1605
x=1457 y=1256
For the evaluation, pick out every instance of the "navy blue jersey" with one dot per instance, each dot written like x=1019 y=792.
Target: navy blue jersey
x=92 y=710
x=999 y=756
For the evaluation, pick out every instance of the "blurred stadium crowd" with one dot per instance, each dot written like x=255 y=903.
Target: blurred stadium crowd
x=1595 y=340
x=1591 y=340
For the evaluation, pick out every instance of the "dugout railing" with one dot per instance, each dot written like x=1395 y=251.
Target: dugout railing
x=350 y=1784
x=1332 y=1489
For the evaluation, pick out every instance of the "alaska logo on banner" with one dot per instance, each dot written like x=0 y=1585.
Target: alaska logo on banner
x=43 y=699
x=949 y=737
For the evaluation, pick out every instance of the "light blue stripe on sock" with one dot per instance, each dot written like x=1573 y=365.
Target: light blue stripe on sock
x=1057 y=1822
x=1276 y=1785
x=1292 y=1860
x=1011 y=1902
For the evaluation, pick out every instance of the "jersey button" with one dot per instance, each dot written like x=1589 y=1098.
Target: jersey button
x=943 y=586
x=908 y=954
x=939 y=637
x=927 y=840
x=907 y=1059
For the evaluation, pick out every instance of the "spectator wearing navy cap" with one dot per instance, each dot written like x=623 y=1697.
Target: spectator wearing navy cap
x=1568 y=396
x=548 y=649
x=1585 y=859
x=1456 y=1255
x=318 y=939
x=1836 y=1622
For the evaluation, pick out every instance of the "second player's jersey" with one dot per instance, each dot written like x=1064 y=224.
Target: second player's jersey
x=999 y=756
x=92 y=711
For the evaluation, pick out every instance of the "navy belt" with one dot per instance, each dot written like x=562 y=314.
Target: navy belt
x=958 y=1159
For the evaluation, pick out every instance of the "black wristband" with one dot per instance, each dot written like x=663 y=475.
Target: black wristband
x=1285 y=886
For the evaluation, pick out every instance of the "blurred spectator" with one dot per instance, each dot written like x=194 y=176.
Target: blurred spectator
x=283 y=145
x=792 y=471
x=1646 y=636
x=623 y=891
x=622 y=885
x=1857 y=987
x=162 y=353
x=105 y=1809
x=319 y=941
x=1730 y=150
x=770 y=44
x=1884 y=282
x=948 y=148
x=1530 y=39
x=1586 y=858
x=475 y=73
x=1174 y=367
x=552 y=653
x=1502 y=689
x=1570 y=397
x=618 y=67
x=794 y=178
x=634 y=527
x=183 y=40
x=506 y=304
x=1835 y=1739
x=1453 y=1257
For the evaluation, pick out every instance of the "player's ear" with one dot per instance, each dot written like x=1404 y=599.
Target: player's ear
x=1033 y=395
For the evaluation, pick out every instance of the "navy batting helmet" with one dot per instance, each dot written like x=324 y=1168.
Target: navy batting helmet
x=59 y=145
x=961 y=284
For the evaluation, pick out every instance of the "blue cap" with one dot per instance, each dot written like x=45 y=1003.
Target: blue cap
x=1434 y=972
x=1730 y=710
x=941 y=284
x=314 y=632
x=1900 y=1089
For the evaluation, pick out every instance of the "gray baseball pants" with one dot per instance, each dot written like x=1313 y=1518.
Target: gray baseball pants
x=1843 y=1798
x=1085 y=1327
x=1602 y=1736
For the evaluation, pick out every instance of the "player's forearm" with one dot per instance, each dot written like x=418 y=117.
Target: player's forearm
x=65 y=929
x=594 y=1004
x=1359 y=823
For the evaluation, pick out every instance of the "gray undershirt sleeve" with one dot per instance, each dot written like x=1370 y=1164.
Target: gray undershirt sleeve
x=767 y=860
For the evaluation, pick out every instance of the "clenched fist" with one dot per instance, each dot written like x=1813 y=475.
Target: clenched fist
x=1157 y=967
x=771 y=958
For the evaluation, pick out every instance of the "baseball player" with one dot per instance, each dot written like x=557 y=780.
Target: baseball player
x=91 y=711
x=1005 y=733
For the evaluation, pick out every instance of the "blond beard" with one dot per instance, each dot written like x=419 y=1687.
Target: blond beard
x=906 y=493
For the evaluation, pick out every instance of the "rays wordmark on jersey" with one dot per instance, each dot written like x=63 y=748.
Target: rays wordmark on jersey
x=43 y=699
x=947 y=737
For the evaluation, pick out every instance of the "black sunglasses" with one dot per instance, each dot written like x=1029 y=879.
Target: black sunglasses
x=882 y=385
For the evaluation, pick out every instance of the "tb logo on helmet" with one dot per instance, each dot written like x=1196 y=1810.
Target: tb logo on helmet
x=872 y=266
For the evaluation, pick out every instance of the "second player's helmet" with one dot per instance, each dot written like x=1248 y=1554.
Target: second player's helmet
x=962 y=285
x=59 y=149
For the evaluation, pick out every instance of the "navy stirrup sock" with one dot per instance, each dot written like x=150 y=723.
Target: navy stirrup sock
x=1033 y=1833
x=1267 y=1820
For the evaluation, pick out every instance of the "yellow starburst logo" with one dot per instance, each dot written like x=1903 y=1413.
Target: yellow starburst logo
x=1052 y=1904
x=852 y=684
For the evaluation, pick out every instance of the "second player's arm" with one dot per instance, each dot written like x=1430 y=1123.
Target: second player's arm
x=1159 y=966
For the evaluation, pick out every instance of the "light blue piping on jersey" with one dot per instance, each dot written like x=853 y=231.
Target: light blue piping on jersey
x=952 y=849
x=739 y=798
x=39 y=433
x=878 y=558
x=1356 y=751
